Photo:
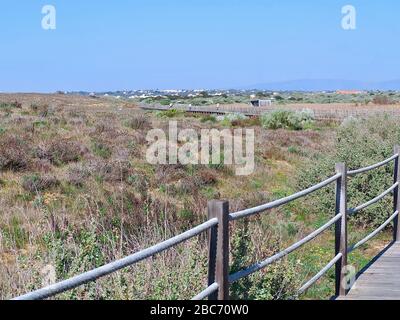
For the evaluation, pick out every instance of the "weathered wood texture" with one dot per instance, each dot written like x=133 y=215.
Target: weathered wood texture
x=219 y=249
x=381 y=280
x=341 y=228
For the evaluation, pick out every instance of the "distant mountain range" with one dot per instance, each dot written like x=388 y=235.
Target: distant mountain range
x=326 y=85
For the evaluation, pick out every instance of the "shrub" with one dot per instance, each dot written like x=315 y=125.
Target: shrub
x=381 y=100
x=102 y=150
x=77 y=174
x=14 y=153
x=60 y=151
x=171 y=113
x=359 y=143
x=208 y=118
x=16 y=104
x=139 y=182
x=205 y=177
x=43 y=110
x=35 y=183
x=138 y=122
x=231 y=117
x=287 y=119
x=165 y=102
x=117 y=171
x=8 y=106
x=278 y=281
x=14 y=232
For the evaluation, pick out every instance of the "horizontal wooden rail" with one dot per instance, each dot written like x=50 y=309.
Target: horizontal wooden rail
x=374 y=200
x=97 y=273
x=207 y=292
x=374 y=233
x=372 y=167
x=320 y=274
x=280 y=202
x=258 y=266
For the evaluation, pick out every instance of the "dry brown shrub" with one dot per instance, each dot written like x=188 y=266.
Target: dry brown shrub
x=42 y=165
x=78 y=173
x=382 y=100
x=286 y=138
x=274 y=152
x=169 y=173
x=60 y=151
x=36 y=183
x=205 y=177
x=162 y=209
x=42 y=110
x=248 y=200
x=104 y=126
x=112 y=171
x=14 y=153
x=139 y=181
x=138 y=122
x=191 y=184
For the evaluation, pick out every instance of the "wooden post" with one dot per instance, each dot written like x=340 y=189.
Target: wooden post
x=218 y=268
x=341 y=229
x=212 y=250
x=396 y=195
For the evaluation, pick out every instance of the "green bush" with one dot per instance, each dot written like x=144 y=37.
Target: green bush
x=171 y=113
x=34 y=183
x=8 y=106
x=360 y=143
x=165 y=102
x=15 y=233
x=279 y=281
x=287 y=119
x=102 y=150
x=230 y=117
x=208 y=118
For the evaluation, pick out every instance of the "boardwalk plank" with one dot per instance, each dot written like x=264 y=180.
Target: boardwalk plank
x=381 y=280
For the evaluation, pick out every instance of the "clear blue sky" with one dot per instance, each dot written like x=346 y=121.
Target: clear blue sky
x=129 y=44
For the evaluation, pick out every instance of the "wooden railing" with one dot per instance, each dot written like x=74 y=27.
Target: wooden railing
x=217 y=226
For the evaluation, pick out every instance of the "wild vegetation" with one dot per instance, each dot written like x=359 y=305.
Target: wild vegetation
x=76 y=192
x=279 y=98
x=287 y=119
x=360 y=143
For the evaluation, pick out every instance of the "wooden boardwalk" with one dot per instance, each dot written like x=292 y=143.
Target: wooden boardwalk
x=333 y=113
x=380 y=280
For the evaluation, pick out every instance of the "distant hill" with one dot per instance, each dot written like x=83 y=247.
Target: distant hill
x=326 y=85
